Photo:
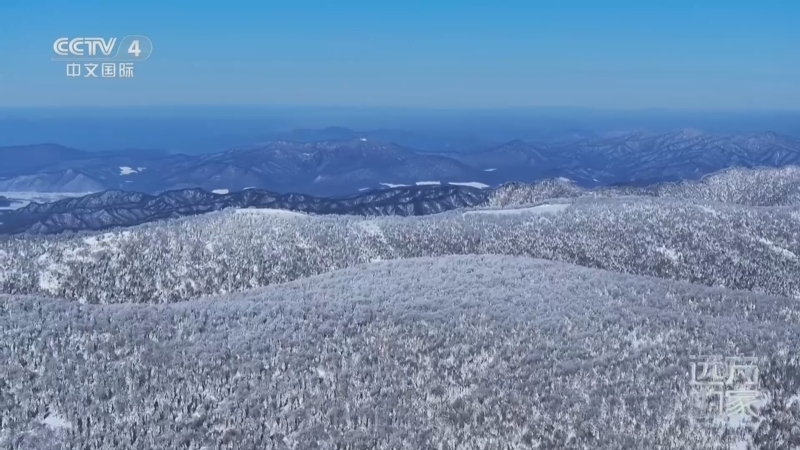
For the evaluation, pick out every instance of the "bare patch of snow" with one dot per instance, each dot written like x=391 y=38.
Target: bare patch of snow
x=125 y=170
x=140 y=168
x=669 y=253
x=474 y=184
x=540 y=209
x=54 y=422
x=489 y=170
x=220 y=191
x=363 y=139
x=363 y=189
x=322 y=373
x=565 y=180
x=48 y=282
x=393 y=185
x=429 y=183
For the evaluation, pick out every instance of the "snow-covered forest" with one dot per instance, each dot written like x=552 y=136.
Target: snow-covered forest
x=740 y=247
x=750 y=187
x=453 y=352
x=554 y=318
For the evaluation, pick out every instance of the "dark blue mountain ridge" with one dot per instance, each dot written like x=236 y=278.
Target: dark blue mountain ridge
x=116 y=208
x=343 y=167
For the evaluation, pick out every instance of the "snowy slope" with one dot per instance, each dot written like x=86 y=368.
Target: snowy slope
x=736 y=246
x=470 y=352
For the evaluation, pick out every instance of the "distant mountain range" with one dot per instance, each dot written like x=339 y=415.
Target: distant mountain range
x=108 y=209
x=346 y=162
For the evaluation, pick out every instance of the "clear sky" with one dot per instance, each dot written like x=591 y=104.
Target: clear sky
x=699 y=54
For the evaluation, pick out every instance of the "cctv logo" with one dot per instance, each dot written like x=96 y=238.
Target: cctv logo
x=84 y=46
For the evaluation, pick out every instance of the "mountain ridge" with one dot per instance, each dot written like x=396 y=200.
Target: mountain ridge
x=117 y=208
x=342 y=167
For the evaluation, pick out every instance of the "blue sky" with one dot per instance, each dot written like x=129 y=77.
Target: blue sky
x=445 y=54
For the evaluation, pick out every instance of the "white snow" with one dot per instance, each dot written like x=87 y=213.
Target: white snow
x=370 y=227
x=141 y=168
x=540 y=209
x=393 y=185
x=429 y=183
x=22 y=198
x=489 y=170
x=125 y=170
x=110 y=239
x=739 y=445
x=55 y=422
x=474 y=184
x=269 y=211
x=364 y=189
x=669 y=253
x=776 y=248
x=566 y=180
x=711 y=211
x=219 y=191
x=363 y=139
x=638 y=341
x=48 y=282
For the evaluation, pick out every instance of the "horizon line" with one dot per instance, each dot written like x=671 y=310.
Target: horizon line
x=399 y=108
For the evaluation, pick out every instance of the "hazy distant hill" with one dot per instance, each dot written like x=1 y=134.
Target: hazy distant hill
x=346 y=166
